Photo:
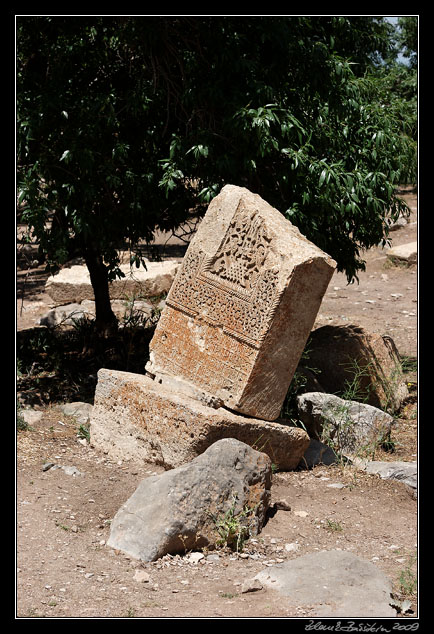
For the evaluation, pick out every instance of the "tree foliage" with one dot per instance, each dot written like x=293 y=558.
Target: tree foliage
x=125 y=124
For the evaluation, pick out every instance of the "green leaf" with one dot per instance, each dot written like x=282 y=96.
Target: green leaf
x=322 y=177
x=65 y=156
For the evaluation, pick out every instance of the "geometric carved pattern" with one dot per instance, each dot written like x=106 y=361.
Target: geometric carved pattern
x=237 y=287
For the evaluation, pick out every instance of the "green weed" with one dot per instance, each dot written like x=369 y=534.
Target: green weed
x=234 y=528
x=84 y=432
x=408 y=578
x=332 y=526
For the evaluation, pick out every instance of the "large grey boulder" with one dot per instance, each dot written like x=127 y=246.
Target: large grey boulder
x=353 y=427
x=334 y=583
x=179 y=509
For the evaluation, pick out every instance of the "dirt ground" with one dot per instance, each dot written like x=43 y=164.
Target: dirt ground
x=65 y=569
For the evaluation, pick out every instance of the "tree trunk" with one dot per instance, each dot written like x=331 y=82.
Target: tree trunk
x=105 y=322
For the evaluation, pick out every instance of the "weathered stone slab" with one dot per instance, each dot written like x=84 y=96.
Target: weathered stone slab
x=242 y=305
x=405 y=472
x=179 y=510
x=136 y=418
x=73 y=284
x=403 y=253
x=334 y=583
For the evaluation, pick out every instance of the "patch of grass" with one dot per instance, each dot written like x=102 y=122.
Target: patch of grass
x=130 y=613
x=333 y=526
x=84 y=432
x=408 y=364
x=63 y=526
x=234 y=528
x=408 y=578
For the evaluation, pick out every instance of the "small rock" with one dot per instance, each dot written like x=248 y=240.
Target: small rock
x=142 y=576
x=80 y=410
x=282 y=505
x=406 y=253
x=47 y=466
x=301 y=513
x=251 y=585
x=194 y=558
x=292 y=547
x=30 y=416
x=71 y=470
x=336 y=485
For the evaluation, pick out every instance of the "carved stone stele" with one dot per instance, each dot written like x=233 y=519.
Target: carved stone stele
x=241 y=307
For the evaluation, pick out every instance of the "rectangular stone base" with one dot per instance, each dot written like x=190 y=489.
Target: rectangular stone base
x=136 y=418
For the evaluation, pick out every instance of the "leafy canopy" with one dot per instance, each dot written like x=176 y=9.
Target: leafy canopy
x=126 y=124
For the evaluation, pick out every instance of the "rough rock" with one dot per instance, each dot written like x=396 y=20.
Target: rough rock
x=123 y=310
x=403 y=253
x=251 y=585
x=73 y=284
x=402 y=221
x=178 y=510
x=136 y=418
x=66 y=315
x=79 y=410
x=350 y=355
x=242 y=306
x=335 y=583
x=31 y=416
x=405 y=472
x=352 y=426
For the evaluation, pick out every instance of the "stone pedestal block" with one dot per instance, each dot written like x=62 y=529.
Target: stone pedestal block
x=73 y=284
x=241 y=307
x=139 y=419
